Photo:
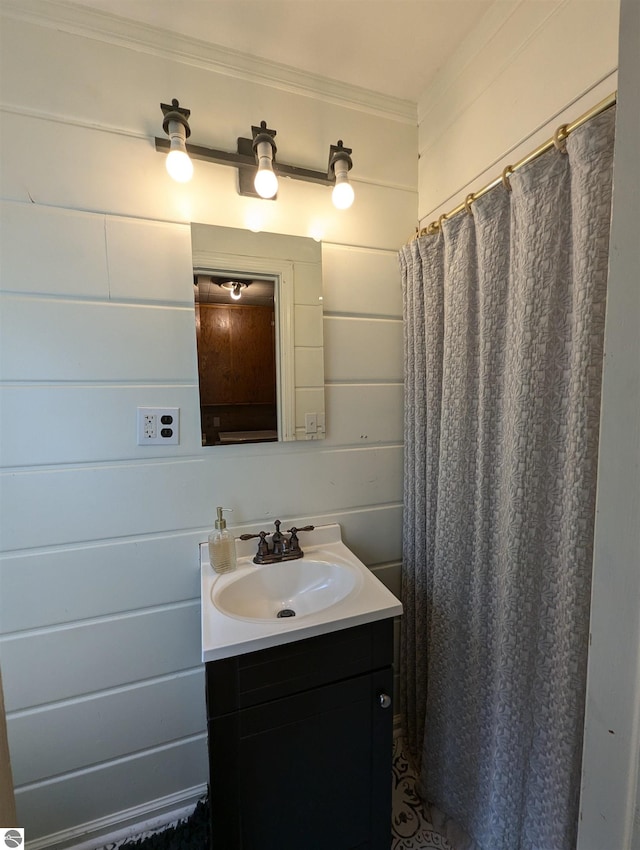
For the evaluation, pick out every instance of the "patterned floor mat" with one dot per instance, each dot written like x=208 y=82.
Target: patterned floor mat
x=410 y=828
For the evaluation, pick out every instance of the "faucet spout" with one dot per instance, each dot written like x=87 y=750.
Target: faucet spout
x=282 y=548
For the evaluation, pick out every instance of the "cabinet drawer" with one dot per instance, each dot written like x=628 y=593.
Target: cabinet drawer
x=269 y=674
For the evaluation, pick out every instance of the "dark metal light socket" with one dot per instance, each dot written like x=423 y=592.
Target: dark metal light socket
x=175 y=112
x=337 y=152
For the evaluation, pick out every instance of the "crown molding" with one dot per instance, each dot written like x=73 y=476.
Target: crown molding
x=112 y=29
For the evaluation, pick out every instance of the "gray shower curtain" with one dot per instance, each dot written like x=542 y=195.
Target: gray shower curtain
x=504 y=320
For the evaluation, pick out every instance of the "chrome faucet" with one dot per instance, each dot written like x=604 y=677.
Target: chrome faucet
x=282 y=548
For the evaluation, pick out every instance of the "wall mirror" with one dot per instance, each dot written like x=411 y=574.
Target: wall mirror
x=260 y=355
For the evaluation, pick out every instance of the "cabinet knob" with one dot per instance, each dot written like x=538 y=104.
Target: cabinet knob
x=384 y=700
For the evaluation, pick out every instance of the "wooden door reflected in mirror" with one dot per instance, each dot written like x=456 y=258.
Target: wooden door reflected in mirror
x=236 y=339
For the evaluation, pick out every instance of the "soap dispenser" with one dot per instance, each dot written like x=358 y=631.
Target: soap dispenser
x=222 y=546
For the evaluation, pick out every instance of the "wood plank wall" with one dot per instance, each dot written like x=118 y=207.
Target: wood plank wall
x=99 y=607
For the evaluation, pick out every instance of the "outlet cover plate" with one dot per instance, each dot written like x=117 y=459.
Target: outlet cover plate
x=158 y=426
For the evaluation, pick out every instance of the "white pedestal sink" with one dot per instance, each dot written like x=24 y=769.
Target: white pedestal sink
x=326 y=590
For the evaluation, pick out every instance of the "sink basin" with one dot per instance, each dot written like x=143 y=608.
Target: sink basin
x=287 y=589
x=326 y=590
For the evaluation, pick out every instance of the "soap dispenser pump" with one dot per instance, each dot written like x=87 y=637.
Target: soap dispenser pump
x=222 y=545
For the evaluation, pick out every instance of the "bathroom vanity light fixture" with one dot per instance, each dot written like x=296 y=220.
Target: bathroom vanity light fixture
x=254 y=159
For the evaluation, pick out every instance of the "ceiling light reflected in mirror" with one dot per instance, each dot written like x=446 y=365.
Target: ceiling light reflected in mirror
x=220 y=289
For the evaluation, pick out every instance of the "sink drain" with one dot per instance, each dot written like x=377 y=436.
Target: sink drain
x=286 y=612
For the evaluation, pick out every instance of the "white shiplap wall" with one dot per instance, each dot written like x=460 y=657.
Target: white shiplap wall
x=526 y=69
x=99 y=609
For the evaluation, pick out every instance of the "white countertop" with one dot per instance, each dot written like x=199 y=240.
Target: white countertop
x=224 y=636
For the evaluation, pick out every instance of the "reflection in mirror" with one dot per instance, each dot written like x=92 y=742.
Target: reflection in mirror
x=236 y=339
x=280 y=355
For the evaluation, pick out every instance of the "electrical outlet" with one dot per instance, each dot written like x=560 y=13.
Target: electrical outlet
x=158 y=426
x=149 y=426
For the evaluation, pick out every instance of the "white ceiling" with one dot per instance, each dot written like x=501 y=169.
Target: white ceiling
x=393 y=47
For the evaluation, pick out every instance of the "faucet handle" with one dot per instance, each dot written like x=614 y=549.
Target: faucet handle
x=294 y=530
x=263 y=546
x=294 y=544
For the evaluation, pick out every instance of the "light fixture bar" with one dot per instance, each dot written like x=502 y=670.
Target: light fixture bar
x=245 y=160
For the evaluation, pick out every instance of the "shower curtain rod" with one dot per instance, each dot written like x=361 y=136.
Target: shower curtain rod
x=557 y=141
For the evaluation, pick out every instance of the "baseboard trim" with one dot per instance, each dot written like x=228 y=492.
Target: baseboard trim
x=129 y=823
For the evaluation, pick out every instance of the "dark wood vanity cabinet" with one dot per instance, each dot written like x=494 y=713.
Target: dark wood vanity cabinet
x=300 y=744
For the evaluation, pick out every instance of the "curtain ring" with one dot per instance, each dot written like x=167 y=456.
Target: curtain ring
x=559 y=139
x=467 y=203
x=505 y=177
x=442 y=219
x=431 y=228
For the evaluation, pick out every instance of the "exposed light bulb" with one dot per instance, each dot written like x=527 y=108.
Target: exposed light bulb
x=179 y=166
x=265 y=181
x=178 y=162
x=236 y=292
x=343 y=194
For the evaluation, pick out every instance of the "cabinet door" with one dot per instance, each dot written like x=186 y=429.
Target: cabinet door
x=308 y=772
